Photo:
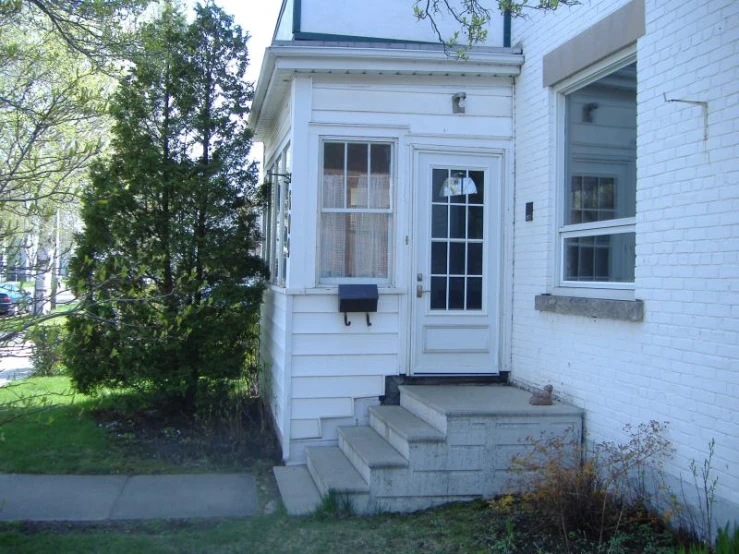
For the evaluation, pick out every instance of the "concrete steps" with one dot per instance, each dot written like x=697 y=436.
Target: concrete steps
x=443 y=443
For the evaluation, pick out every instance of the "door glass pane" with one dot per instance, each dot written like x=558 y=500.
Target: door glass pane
x=456 y=293
x=438 y=258
x=456 y=258
x=474 y=293
x=439 y=177
x=438 y=293
x=439 y=222
x=474 y=258
x=456 y=187
x=475 y=222
x=457 y=222
x=478 y=177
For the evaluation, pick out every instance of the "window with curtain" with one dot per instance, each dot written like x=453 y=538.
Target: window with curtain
x=356 y=211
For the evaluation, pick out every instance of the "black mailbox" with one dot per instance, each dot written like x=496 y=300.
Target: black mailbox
x=358 y=298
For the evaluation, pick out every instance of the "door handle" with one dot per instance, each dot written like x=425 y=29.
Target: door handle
x=420 y=290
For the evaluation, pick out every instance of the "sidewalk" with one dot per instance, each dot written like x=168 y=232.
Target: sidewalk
x=116 y=497
x=15 y=363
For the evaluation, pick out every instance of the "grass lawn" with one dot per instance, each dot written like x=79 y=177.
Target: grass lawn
x=467 y=528
x=66 y=433
x=57 y=433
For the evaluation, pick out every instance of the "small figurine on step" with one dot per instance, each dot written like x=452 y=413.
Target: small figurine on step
x=542 y=397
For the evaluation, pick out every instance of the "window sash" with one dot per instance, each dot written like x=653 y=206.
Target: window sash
x=362 y=225
x=566 y=231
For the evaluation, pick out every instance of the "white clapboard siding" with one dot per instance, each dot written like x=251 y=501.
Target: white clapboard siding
x=426 y=108
x=308 y=408
x=321 y=323
x=329 y=303
x=305 y=428
x=310 y=366
x=324 y=387
x=273 y=337
x=345 y=344
x=389 y=101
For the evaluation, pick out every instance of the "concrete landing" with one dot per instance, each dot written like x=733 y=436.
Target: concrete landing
x=113 y=497
x=483 y=400
x=297 y=489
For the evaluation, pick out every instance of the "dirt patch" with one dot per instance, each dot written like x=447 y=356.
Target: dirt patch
x=228 y=439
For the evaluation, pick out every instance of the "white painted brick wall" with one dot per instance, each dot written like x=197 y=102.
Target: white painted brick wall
x=682 y=363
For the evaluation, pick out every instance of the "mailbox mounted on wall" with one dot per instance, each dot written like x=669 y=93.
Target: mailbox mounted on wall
x=358 y=298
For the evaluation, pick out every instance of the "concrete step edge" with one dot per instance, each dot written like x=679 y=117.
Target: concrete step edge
x=392 y=417
x=373 y=450
x=332 y=471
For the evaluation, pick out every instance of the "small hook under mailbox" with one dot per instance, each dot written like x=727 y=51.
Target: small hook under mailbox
x=346 y=320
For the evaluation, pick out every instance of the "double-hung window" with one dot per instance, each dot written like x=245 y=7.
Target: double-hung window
x=356 y=211
x=598 y=192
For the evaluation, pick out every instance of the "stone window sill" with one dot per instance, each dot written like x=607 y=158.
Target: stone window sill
x=600 y=308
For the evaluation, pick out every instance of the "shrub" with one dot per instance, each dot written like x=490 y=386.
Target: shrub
x=587 y=493
x=46 y=350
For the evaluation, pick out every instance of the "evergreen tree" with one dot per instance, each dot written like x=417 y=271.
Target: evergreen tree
x=165 y=269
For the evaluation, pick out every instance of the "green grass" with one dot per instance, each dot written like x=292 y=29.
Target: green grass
x=461 y=528
x=57 y=433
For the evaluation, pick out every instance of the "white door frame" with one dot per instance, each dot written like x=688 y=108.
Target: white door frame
x=495 y=161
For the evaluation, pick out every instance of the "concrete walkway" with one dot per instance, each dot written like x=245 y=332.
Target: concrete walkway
x=114 y=497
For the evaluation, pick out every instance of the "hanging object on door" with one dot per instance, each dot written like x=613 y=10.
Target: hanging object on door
x=454 y=186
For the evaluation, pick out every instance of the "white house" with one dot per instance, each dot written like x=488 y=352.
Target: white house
x=561 y=207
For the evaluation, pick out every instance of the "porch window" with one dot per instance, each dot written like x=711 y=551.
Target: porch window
x=276 y=218
x=356 y=211
x=597 y=230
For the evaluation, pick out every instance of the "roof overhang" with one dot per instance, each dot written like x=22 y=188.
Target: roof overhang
x=282 y=61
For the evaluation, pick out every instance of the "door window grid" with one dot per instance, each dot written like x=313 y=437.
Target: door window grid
x=457 y=239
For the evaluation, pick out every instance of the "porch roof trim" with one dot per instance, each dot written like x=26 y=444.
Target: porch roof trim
x=282 y=60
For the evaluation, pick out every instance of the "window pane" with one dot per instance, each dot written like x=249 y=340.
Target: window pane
x=333 y=175
x=601 y=149
x=603 y=258
x=354 y=245
x=438 y=258
x=456 y=181
x=356 y=176
x=478 y=177
x=475 y=222
x=380 y=176
x=474 y=258
x=438 y=293
x=439 y=222
x=438 y=178
x=474 y=293
x=456 y=293
x=457 y=216
x=456 y=258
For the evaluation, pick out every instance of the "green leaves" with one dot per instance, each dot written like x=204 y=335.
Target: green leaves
x=166 y=254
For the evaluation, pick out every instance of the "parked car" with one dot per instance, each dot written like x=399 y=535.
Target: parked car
x=21 y=299
x=7 y=307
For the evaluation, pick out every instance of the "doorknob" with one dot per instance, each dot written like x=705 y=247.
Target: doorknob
x=420 y=290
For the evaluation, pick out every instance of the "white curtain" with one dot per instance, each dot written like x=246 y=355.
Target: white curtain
x=355 y=243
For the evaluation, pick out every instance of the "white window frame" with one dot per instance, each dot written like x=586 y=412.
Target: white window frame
x=593 y=289
x=278 y=216
x=389 y=211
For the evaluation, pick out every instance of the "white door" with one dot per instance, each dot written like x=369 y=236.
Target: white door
x=456 y=271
